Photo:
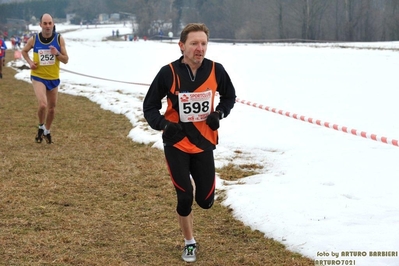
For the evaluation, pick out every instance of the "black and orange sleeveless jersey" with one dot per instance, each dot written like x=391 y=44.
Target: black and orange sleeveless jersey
x=176 y=80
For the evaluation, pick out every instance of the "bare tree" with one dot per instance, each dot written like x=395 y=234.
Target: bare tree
x=145 y=15
x=177 y=6
x=85 y=8
x=310 y=14
x=390 y=20
x=280 y=20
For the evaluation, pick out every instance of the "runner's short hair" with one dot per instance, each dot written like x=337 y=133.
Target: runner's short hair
x=192 y=27
x=43 y=15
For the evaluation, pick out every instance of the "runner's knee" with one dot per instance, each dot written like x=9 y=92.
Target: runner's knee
x=205 y=204
x=184 y=204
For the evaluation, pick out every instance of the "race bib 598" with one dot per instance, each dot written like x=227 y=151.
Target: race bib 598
x=194 y=106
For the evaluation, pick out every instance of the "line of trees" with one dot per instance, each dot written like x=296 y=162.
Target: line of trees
x=28 y=9
x=330 y=20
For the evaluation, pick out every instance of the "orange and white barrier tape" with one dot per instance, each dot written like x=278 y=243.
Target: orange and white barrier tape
x=322 y=123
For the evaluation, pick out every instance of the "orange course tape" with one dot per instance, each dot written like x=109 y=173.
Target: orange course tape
x=355 y=132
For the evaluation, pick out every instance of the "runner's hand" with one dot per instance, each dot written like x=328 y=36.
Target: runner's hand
x=213 y=120
x=171 y=129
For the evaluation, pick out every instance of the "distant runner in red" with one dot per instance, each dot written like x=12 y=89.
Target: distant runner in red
x=3 y=48
x=190 y=124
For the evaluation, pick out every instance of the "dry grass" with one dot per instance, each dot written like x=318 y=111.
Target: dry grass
x=94 y=197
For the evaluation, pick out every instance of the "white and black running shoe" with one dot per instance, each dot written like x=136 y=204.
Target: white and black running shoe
x=189 y=253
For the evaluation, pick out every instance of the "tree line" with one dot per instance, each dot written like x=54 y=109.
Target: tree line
x=313 y=20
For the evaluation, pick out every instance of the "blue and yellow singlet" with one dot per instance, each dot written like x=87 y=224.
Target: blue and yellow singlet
x=48 y=65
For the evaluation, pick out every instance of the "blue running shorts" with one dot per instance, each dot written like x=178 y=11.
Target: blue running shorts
x=50 y=84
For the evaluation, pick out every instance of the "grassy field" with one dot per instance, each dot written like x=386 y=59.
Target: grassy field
x=95 y=197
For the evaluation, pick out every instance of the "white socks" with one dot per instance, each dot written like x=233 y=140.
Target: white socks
x=189 y=242
x=46 y=132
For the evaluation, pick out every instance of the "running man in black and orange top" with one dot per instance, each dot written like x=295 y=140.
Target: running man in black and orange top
x=190 y=123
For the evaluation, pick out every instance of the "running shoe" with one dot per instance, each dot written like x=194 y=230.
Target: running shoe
x=39 y=136
x=48 y=138
x=189 y=253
